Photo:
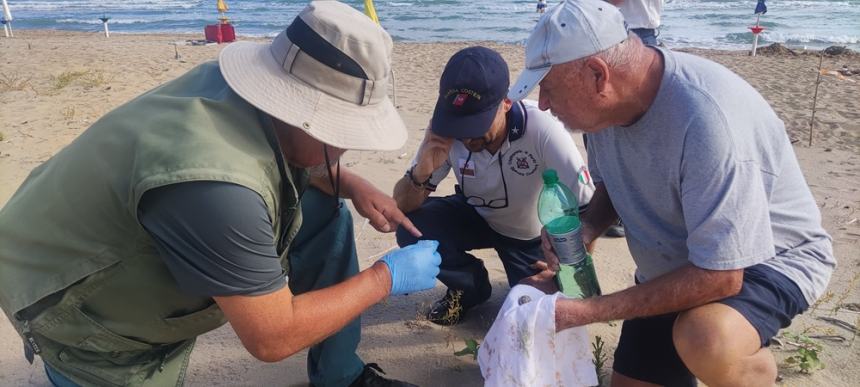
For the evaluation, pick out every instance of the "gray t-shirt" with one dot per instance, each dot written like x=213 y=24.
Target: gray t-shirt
x=216 y=238
x=708 y=176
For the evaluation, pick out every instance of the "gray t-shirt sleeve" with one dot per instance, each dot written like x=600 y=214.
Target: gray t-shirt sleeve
x=216 y=238
x=724 y=199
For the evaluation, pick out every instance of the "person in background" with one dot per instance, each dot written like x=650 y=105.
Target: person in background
x=498 y=150
x=643 y=17
x=541 y=6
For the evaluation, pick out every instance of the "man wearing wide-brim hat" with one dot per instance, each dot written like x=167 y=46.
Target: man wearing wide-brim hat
x=216 y=198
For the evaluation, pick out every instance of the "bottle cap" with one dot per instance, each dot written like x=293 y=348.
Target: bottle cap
x=550 y=177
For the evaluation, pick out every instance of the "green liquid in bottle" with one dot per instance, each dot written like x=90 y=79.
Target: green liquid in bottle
x=558 y=210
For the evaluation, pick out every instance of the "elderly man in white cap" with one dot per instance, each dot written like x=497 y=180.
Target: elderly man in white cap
x=214 y=198
x=725 y=233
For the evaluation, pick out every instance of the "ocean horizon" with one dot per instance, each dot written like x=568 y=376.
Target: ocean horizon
x=720 y=24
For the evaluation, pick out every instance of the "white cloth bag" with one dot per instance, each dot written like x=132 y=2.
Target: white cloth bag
x=523 y=349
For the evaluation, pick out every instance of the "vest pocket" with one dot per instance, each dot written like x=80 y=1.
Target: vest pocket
x=72 y=327
x=88 y=350
x=193 y=324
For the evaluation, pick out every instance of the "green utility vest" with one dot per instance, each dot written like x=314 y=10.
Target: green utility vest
x=80 y=278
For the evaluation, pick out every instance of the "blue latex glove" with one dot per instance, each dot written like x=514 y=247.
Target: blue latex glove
x=413 y=268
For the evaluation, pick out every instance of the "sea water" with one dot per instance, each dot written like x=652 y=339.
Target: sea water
x=686 y=23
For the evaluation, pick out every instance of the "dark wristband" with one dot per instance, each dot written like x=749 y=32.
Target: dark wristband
x=425 y=184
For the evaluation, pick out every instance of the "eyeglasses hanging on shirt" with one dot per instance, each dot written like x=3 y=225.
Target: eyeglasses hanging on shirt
x=477 y=201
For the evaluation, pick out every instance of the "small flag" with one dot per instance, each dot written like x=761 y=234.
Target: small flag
x=760 y=8
x=584 y=176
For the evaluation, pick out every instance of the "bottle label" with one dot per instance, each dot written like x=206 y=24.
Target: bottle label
x=568 y=246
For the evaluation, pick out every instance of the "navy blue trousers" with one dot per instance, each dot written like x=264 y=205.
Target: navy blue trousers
x=459 y=229
x=647 y=35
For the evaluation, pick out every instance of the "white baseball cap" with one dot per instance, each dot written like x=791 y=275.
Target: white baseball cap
x=571 y=30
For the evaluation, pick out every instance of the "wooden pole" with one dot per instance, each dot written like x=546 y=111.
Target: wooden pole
x=815 y=97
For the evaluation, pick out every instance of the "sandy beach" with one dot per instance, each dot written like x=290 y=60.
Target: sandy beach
x=54 y=84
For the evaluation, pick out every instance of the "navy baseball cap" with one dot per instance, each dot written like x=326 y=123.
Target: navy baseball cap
x=473 y=84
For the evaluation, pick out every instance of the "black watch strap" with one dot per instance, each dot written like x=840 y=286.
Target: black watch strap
x=418 y=184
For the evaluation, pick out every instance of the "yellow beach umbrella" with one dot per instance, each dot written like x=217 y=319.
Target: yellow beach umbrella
x=222 y=9
x=369 y=10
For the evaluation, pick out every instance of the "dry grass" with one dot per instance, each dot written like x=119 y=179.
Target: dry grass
x=842 y=298
x=95 y=79
x=14 y=82
x=66 y=78
x=454 y=309
x=69 y=113
x=87 y=79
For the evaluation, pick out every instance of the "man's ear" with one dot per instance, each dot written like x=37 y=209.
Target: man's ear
x=506 y=104
x=599 y=71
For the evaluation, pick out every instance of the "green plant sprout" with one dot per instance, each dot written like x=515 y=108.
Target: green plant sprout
x=472 y=346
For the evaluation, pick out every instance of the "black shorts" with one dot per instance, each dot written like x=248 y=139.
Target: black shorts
x=768 y=300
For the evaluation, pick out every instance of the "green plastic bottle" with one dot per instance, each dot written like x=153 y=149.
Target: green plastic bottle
x=558 y=211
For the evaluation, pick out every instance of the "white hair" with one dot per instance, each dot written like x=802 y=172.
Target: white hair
x=622 y=54
x=621 y=57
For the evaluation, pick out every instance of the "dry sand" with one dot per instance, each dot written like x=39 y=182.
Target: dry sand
x=53 y=85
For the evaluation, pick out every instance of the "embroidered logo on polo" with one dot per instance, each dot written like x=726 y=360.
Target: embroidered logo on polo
x=522 y=163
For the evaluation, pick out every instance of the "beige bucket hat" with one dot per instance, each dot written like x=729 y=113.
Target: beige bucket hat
x=327 y=74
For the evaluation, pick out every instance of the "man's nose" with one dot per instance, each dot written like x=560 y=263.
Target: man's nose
x=543 y=101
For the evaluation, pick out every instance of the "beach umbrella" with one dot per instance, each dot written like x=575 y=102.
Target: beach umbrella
x=760 y=9
x=222 y=11
x=7 y=21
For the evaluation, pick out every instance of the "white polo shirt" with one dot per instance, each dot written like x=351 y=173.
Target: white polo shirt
x=536 y=141
x=642 y=13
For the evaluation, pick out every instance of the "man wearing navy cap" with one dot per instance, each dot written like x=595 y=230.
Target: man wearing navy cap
x=498 y=150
